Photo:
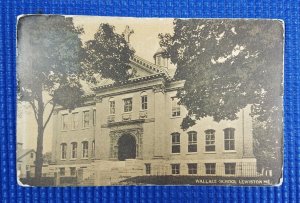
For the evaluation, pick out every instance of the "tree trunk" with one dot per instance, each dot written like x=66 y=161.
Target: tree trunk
x=40 y=138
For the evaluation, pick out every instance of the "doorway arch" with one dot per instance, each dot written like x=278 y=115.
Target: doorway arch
x=126 y=147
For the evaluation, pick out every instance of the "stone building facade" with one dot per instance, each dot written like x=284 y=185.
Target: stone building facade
x=133 y=129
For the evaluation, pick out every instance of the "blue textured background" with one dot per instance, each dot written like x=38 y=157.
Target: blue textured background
x=289 y=11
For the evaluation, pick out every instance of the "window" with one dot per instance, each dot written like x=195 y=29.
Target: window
x=63 y=149
x=229 y=139
x=210 y=140
x=86 y=119
x=175 y=107
x=85 y=149
x=144 y=101
x=31 y=155
x=175 y=168
x=128 y=105
x=175 y=143
x=27 y=167
x=210 y=168
x=75 y=120
x=148 y=168
x=192 y=145
x=112 y=106
x=73 y=171
x=94 y=117
x=229 y=168
x=93 y=148
x=192 y=168
x=62 y=171
x=64 y=121
x=74 y=150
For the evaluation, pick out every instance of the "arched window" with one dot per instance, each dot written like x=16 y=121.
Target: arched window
x=192 y=144
x=85 y=149
x=175 y=142
x=210 y=140
x=144 y=101
x=74 y=150
x=112 y=106
x=63 y=151
x=229 y=139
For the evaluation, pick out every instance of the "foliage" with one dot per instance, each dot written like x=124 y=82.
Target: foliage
x=49 y=50
x=53 y=65
x=49 y=60
x=227 y=65
x=107 y=55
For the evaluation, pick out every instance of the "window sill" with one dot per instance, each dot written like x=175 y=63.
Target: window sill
x=74 y=129
x=85 y=158
x=210 y=152
x=73 y=159
x=175 y=153
x=174 y=117
x=229 y=151
x=191 y=153
x=63 y=159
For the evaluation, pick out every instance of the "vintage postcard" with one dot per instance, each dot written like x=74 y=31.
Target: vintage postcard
x=149 y=101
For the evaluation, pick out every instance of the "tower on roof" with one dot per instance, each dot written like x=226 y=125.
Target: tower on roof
x=161 y=57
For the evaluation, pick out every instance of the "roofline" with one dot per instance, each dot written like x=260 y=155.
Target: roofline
x=20 y=157
x=133 y=80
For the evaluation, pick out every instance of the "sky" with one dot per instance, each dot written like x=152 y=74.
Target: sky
x=144 y=41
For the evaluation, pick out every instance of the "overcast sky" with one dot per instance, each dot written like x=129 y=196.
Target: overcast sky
x=144 y=41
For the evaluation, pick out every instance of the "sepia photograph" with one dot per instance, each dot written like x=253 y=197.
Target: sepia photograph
x=149 y=101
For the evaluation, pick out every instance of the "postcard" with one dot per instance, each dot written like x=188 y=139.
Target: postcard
x=149 y=101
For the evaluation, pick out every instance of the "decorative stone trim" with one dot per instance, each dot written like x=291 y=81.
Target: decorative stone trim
x=111 y=118
x=143 y=114
x=98 y=99
x=126 y=116
x=159 y=88
x=137 y=133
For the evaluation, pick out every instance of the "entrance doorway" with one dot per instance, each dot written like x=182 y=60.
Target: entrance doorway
x=126 y=147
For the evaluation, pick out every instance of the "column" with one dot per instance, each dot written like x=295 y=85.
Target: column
x=159 y=126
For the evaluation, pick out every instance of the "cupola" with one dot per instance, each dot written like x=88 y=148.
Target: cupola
x=161 y=57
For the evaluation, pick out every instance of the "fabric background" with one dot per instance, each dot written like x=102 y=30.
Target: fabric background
x=289 y=11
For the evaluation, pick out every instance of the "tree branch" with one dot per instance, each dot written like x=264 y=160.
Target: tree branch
x=34 y=109
x=48 y=102
x=50 y=114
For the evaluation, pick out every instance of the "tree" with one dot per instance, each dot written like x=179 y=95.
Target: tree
x=107 y=55
x=54 y=67
x=227 y=65
x=49 y=70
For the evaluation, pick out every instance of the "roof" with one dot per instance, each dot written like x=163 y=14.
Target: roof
x=160 y=51
x=23 y=152
x=153 y=71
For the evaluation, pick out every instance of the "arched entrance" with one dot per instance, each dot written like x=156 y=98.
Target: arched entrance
x=126 y=147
